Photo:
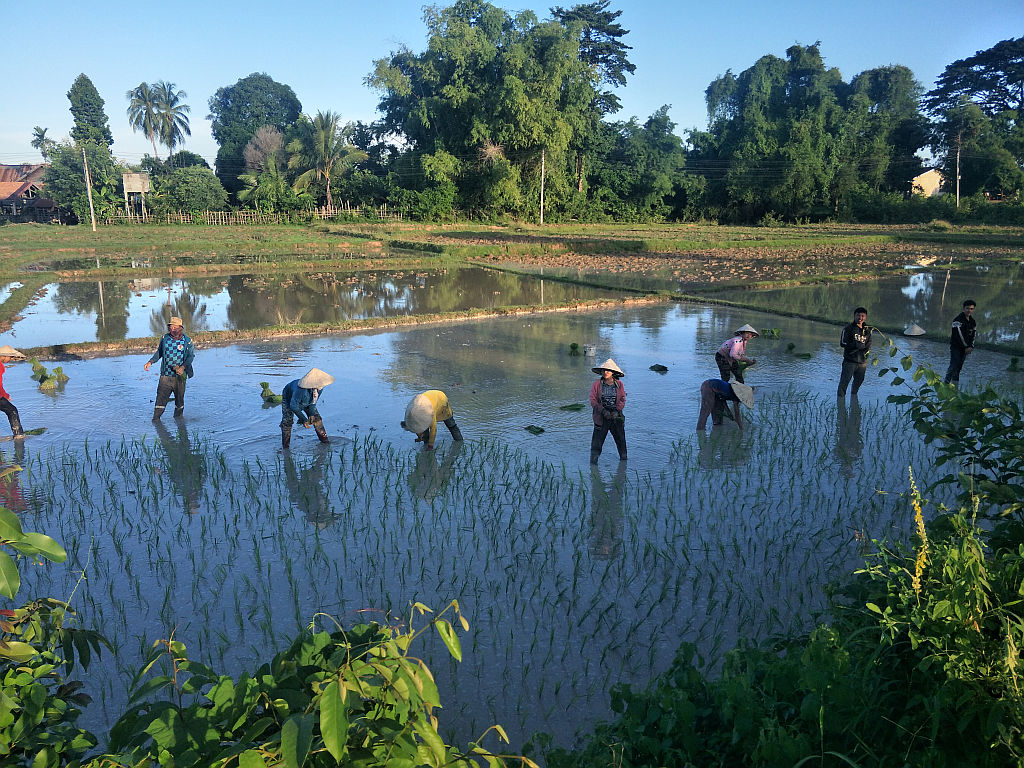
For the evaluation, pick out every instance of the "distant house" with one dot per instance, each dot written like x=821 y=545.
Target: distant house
x=928 y=183
x=21 y=197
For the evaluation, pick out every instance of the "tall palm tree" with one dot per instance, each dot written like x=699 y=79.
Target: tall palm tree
x=144 y=112
x=172 y=125
x=41 y=142
x=321 y=151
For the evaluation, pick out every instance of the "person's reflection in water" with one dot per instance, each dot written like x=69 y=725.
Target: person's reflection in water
x=725 y=447
x=849 y=442
x=429 y=479
x=186 y=467
x=606 y=513
x=11 y=495
x=306 y=487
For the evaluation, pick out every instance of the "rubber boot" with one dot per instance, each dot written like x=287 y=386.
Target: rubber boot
x=454 y=429
x=286 y=436
x=16 y=429
x=318 y=426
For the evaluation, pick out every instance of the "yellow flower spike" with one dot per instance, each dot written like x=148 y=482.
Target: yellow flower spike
x=922 y=549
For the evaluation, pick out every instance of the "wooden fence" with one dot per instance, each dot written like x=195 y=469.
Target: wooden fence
x=248 y=218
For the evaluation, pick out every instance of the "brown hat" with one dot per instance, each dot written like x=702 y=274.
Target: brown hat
x=8 y=351
x=609 y=365
x=315 y=379
x=176 y=321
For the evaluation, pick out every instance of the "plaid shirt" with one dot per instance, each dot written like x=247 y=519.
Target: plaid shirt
x=173 y=352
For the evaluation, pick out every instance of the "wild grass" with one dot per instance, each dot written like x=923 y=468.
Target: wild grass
x=571 y=581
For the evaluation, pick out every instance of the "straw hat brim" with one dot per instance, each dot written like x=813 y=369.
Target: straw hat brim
x=8 y=351
x=748 y=328
x=744 y=392
x=316 y=379
x=418 y=414
x=608 y=365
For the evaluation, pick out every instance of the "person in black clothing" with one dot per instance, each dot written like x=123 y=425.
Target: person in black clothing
x=855 y=341
x=961 y=341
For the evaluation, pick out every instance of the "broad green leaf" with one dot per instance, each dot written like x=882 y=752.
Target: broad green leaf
x=46 y=547
x=10 y=526
x=433 y=741
x=296 y=739
x=10 y=579
x=17 y=651
x=444 y=629
x=906 y=362
x=251 y=759
x=334 y=720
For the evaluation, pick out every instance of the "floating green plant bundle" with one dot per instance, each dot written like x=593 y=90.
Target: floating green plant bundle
x=574 y=349
x=533 y=429
x=1014 y=364
x=268 y=396
x=658 y=368
x=38 y=369
x=791 y=348
x=770 y=333
x=573 y=407
x=236 y=556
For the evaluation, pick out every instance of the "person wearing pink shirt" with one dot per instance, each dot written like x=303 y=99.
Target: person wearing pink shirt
x=8 y=353
x=734 y=352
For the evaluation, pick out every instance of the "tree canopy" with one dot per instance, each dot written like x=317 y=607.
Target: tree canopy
x=91 y=123
x=238 y=110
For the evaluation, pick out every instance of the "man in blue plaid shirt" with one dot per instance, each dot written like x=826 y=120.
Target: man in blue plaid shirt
x=175 y=353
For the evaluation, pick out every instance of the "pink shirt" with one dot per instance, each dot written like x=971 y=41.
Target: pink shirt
x=736 y=348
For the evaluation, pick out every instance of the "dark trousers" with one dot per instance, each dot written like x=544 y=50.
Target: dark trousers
x=711 y=404
x=957 y=355
x=618 y=429
x=288 y=418
x=167 y=386
x=729 y=367
x=854 y=371
x=12 y=415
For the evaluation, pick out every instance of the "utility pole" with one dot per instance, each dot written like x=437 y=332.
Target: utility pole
x=88 y=189
x=542 y=187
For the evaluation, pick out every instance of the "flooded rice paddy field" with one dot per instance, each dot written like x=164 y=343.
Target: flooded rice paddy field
x=931 y=298
x=572 y=579
x=114 y=310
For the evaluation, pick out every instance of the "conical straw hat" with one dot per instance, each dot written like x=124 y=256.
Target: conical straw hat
x=315 y=379
x=608 y=365
x=914 y=330
x=418 y=414
x=8 y=351
x=748 y=327
x=744 y=392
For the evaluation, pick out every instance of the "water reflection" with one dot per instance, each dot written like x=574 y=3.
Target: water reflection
x=11 y=494
x=184 y=464
x=849 y=439
x=307 y=487
x=929 y=298
x=606 y=513
x=63 y=312
x=428 y=478
x=724 y=448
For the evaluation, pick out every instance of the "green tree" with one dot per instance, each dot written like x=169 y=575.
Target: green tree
x=65 y=179
x=144 y=112
x=321 y=152
x=993 y=79
x=601 y=46
x=492 y=91
x=41 y=142
x=268 y=190
x=172 y=114
x=91 y=122
x=237 y=111
x=195 y=189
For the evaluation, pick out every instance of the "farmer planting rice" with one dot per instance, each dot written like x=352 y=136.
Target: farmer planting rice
x=423 y=413
x=731 y=357
x=715 y=396
x=298 y=401
x=608 y=398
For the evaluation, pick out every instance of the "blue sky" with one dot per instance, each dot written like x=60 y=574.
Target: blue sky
x=325 y=49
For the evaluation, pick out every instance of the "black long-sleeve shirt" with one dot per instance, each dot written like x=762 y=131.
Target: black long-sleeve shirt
x=855 y=341
x=964 y=330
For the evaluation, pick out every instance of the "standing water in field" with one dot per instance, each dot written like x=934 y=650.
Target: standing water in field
x=572 y=579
